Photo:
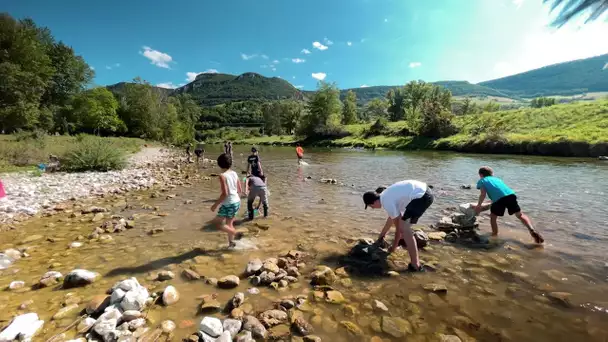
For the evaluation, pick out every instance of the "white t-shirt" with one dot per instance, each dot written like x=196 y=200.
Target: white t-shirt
x=232 y=181
x=397 y=196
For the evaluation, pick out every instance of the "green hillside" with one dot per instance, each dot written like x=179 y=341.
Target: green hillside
x=569 y=78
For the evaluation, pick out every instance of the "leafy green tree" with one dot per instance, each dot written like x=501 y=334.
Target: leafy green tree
x=349 y=110
x=94 y=112
x=570 y=9
x=272 y=118
x=467 y=107
x=324 y=110
x=396 y=104
x=415 y=93
x=435 y=119
x=491 y=106
x=540 y=102
x=375 y=109
x=140 y=108
x=290 y=116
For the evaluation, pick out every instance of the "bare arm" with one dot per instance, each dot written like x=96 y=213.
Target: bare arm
x=260 y=166
x=223 y=195
x=239 y=188
x=387 y=227
x=396 y=221
x=482 y=197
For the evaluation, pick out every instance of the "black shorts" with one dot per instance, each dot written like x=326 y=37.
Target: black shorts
x=508 y=202
x=198 y=152
x=417 y=207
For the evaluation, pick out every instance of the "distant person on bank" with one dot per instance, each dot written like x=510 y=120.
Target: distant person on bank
x=405 y=202
x=299 y=153
x=503 y=198
x=199 y=151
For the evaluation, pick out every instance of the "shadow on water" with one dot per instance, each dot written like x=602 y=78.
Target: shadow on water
x=160 y=263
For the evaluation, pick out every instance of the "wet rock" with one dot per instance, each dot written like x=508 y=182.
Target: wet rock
x=422 y=239
x=22 y=327
x=190 y=274
x=312 y=338
x=233 y=326
x=436 y=288
x=270 y=267
x=266 y=278
x=279 y=333
x=323 y=275
x=165 y=275
x=97 y=304
x=97 y=217
x=395 y=326
x=16 y=285
x=31 y=239
x=341 y=272
x=211 y=326
x=77 y=278
x=449 y=338
x=156 y=230
x=244 y=336
x=106 y=323
x=437 y=235
x=287 y=304
x=379 y=306
x=117 y=296
x=65 y=312
x=49 y=279
x=135 y=299
x=130 y=315
x=167 y=326
x=211 y=281
x=301 y=326
x=352 y=329
x=224 y=337
x=228 y=282
x=170 y=295
x=334 y=297
x=415 y=298
x=253 y=290
x=255 y=280
x=271 y=318
x=26 y=304
x=560 y=298
x=137 y=323
x=210 y=304
x=150 y=336
x=85 y=325
x=257 y=329
x=237 y=313
x=237 y=300
x=254 y=266
x=94 y=210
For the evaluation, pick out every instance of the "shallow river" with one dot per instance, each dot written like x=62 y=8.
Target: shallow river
x=497 y=293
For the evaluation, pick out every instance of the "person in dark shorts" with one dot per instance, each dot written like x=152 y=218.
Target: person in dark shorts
x=199 y=151
x=256 y=187
x=405 y=202
x=254 y=166
x=188 y=153
x=503 y=199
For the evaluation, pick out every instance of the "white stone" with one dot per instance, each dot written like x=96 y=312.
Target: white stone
x=127 y=284
x=211 y=326
x=75 y=244
x=86 y=324
x=117 y=296
x=23 y=327
x=13 y=253
x=167 y=326
x=79 y=278
x=232 y=326
x=170 y=295
x=137 y=323
x=224 y=337
x=135 y=299
x=17 y=284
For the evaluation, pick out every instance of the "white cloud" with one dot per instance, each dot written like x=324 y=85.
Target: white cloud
x=295 y=77
x=364 y=86
x=415 y=64
x=160 y=59
x=306 y=51
x=167 y=85
x=108 y=67
x=298 y=60
x=276 y=61
x=264 y=56
x=327 y=41
x=210 y=71
x=349 y=43
x=273 y=68
x=319 y=75
x=92 y=68
x=319 y=46
x=191 y=75
x=385 y=20
x=299 y=86
x=246 y=57
x=117 y=65
x=518 y=3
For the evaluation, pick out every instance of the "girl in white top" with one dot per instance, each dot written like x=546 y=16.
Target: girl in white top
x=230 y=199
x=405 y=202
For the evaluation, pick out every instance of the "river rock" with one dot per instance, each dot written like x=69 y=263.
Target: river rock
x=561 y=298
x=224 y=337
x=244 y=336
x=257 y=329
x=279 y=333
x=271 y=267
x=16 y=285
x=395 y=326
x=228 y=282
x=271 y=318
x=64 y=312
x=449 y=338
x=301 y=326
x=436 y=288
x=266 y=278
x=334 y=297
x=85 y=325
x=137 y=323
x=170 y=295
x=312 y=338
x=117 y=296
x=379 y=306
x=97 y=304
x=233 y=326
x=50 y=278
x=22 y=327
x=323 y=275
x=190 y=274
x=210 y=304
x=422 y=239
x=77 y=278
x=352 y=329
x=167 y=326
x=165 y=275
x=106 y=323
x=254 y=266
x=130 y=315
x=237 y=300
x=13 y=253
x=211 y=326
x=127 y=284
x=437 y=235
x=135 y=299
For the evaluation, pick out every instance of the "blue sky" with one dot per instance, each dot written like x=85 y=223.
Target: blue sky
x=351 y=42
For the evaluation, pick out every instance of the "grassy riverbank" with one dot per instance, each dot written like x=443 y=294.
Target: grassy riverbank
x=578 y=129
x=25 y=151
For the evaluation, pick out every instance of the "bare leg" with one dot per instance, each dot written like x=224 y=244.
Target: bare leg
x=528 y=223
x=405 y=227
x=227 y=228
x=494 y=224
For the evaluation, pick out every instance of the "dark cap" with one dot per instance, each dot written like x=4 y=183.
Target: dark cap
x=369 y=198
x=253 y=149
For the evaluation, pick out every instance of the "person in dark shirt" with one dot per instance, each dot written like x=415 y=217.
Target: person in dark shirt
x=254 y=166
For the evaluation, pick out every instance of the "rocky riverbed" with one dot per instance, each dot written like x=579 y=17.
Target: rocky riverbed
x=144 y=265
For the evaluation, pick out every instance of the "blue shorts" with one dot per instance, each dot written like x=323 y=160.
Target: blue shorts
x=229 y=210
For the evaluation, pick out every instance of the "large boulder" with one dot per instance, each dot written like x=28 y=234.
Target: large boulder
x=135 y=299
x=323 y=275
x=77 y=278
x=22 y=327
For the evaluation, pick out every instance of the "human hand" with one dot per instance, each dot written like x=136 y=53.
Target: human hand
x=213 y=207
x=477 y=209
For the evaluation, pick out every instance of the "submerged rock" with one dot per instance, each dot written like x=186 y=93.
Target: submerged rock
x=50 y=278
x=271 y=318
x=170 y=295
x=323 y=275
x=254 y=266
x=395 y=326
x=257 y=329
x=228 y=282
x=77 y=278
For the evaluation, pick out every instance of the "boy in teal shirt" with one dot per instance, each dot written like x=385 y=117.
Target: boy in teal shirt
x=503 y=198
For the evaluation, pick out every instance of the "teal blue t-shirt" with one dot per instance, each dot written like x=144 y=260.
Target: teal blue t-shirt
x=495 y=187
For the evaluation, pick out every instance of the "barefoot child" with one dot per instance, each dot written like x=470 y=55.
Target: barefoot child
x=229 y=200
x=256 y=187
x=503 y=198
x=299 y=153
x=405 y=202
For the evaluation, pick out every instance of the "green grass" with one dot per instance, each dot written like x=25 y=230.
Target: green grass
x=21 y=153
x=574 y=129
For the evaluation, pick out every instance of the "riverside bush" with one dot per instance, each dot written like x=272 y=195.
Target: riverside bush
x=93 y=154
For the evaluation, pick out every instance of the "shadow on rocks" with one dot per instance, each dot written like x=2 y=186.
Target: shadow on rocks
x=364 y=260
x=159 y=263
